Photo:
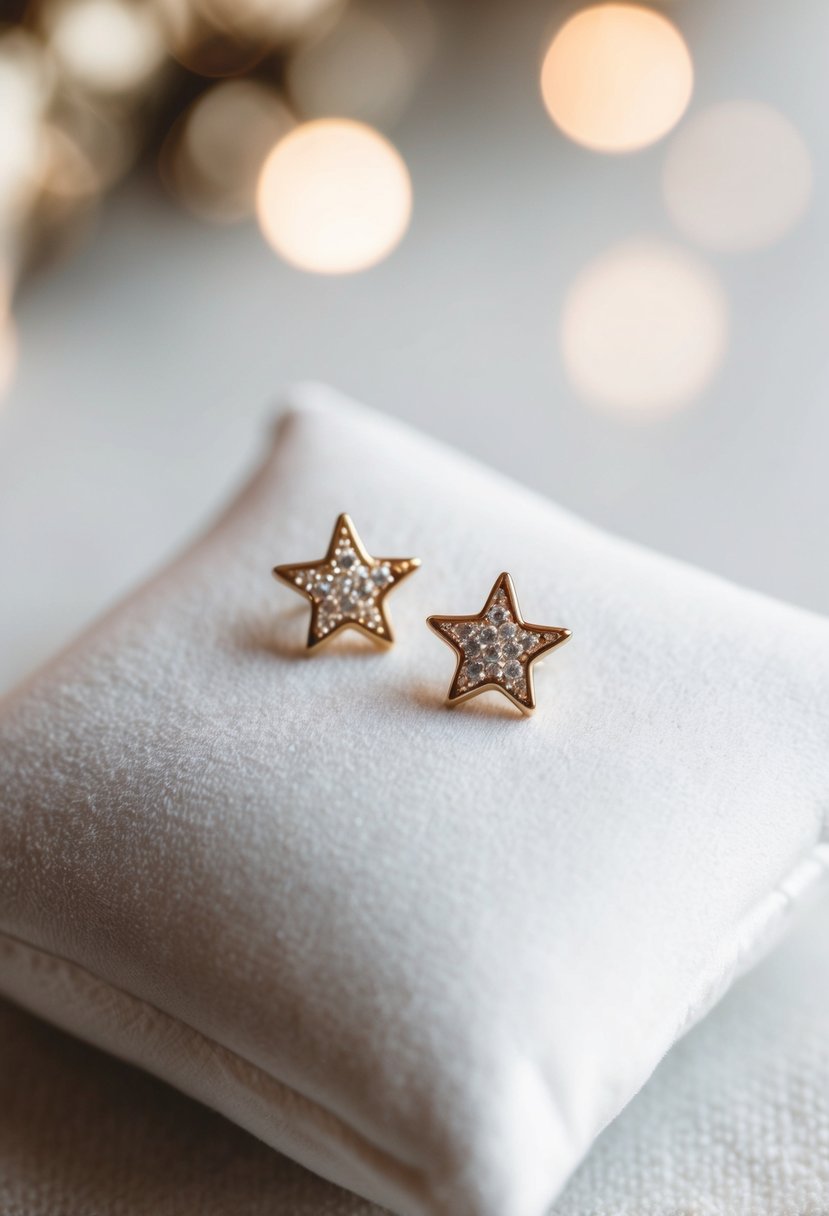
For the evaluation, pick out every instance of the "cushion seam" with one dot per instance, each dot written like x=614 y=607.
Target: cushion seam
x=394 y=1166
x=746 y=944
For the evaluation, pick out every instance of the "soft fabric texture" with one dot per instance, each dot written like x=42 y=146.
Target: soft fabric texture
x=427 y=953
x=735 y=1122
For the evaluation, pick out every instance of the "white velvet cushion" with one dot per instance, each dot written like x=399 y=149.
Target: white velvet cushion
x=428 y=953
x=735 y=1121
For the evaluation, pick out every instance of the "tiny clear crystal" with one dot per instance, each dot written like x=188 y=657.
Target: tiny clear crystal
x=381 y=575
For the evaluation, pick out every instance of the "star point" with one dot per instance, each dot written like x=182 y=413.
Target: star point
x=348 y=587
x=496 y=648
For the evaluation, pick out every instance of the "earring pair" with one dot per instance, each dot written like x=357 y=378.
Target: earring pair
x=495 y=649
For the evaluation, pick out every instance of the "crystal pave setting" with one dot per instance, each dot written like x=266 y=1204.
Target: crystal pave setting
x=348 y=587
x=497 y=648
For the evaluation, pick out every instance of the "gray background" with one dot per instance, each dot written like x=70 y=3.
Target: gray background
x=151 y=362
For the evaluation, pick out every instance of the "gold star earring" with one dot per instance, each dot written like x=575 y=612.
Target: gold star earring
x=497 y=648
x=348 y=587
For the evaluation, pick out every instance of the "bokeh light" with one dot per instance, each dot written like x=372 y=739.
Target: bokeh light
x=107 y=45
x=737 y=176
x=26 y=78
x=69 y=192
x=334 y=196
x=203 y=45
x=68 y=174
x=644 y=329
x=367 y=66
x=8 y=355
x=109 y=145
x=273 y=20
x=617 y=77
x=6 y=288
x=25 y=86
x=210 y=166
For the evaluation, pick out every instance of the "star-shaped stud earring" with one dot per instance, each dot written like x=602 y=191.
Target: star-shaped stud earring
x=497 y=648
x=347 y=588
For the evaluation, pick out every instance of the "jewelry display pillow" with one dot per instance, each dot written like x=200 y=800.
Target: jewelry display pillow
x=735 y=1120
x=427 y=952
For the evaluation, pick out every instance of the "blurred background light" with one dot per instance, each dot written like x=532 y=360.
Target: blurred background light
x=367 y=66
x=737 y=176
x=8 y=354
x=644 y=328
x=25 y=85
x=200 y=42
x=67 y=171
x=215 y=153
x=617 y=77
x=272 y=20
x=26 y=79
x=108 y=139
x=509 y=211
x=334 y=196
x=6 y=286
x=107 y=45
